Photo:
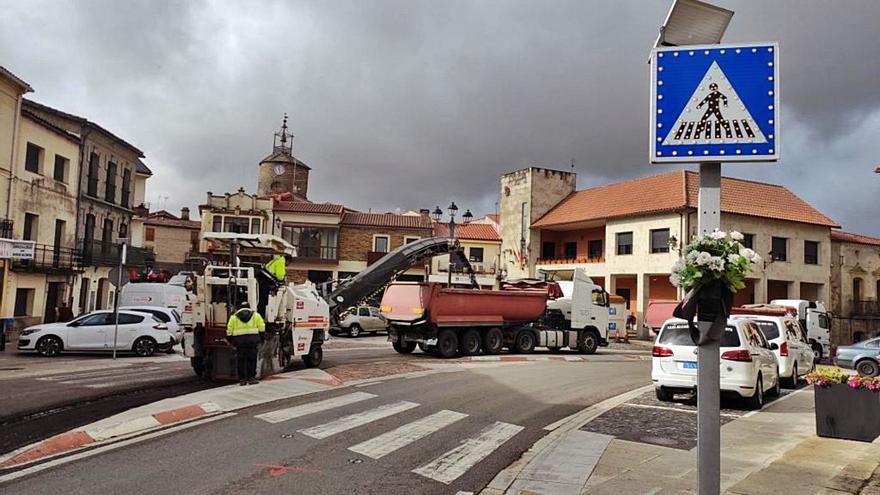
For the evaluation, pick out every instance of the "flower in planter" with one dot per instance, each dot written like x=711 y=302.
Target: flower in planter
x=863 y=382
x=716 y=256
x=825 y=376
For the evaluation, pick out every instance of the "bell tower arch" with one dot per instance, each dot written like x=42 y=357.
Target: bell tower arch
x=281 y=172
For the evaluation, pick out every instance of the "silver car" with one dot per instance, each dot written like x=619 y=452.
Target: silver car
x=863 y=357
x=356 y=321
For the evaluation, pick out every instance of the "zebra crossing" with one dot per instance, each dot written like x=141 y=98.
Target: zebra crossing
x=445 y=468
x=113 y=377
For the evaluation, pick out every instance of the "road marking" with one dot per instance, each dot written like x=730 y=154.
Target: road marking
x=119 y=379
x=351 y=421
x=103 y=373
x=121 y=382
x=313 y=407
x=451 y=465
x=362 y=385
x=775 y=401
x=401 y=437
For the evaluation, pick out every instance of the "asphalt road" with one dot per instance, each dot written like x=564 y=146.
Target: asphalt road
x=456 y=431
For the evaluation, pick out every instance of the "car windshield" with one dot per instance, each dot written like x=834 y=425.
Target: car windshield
x=678 y=334
x=768 y=328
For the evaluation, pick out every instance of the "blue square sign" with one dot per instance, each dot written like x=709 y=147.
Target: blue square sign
x=715 y=103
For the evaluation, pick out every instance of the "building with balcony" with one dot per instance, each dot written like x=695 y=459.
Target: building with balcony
x=481 y=243
x=110 y=173
x=628 y=235
x=855 y=287
x=238 y=212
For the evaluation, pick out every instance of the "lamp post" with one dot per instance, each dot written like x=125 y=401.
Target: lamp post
x=437 y=214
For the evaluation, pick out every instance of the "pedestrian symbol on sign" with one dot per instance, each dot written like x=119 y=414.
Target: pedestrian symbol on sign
x=734 y=125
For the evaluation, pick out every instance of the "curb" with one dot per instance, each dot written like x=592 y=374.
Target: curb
x=558 y=430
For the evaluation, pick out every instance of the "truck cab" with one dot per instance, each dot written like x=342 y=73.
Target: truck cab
x=816 y=321
x=583 y=304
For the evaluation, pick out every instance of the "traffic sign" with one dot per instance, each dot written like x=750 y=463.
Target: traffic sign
x=715 y=103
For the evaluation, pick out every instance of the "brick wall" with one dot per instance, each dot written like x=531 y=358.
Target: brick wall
x=171 y=244
x=355 y=242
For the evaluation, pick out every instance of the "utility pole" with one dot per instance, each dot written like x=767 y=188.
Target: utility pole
x=122 y=254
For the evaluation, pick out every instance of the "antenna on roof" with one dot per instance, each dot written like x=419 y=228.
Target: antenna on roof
x=572 y=165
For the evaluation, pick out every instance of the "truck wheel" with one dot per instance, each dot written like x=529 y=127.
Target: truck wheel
x=493 y=341
x=589 y=343
x=314 y=357
x=447 y=343
x=470 y=342
x=525 y=342
x=817 y=351
x=198 y=365
x=403 y=347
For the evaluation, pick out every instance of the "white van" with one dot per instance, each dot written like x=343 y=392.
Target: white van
x=154 y=294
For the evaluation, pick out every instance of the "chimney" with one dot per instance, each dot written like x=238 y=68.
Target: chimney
x=425 y=212
x=184 y=213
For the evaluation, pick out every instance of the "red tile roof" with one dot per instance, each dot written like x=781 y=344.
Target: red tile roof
x=307 y=207
x=162 y=218
x=470 y=231
x=676 y=191
x=385 y=220
x=839 y=235
x=494 y=217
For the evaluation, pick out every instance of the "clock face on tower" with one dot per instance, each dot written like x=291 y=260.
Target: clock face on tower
x=279 y=169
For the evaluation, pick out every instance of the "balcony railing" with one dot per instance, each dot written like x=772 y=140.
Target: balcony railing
x=6 y=229
x=317 y=253
x=103 y=253
x=569 y=261
x=479 y=267
x=866 y=308
x=51 y=259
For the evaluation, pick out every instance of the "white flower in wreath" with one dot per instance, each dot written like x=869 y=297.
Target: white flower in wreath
x=736 y=236
x=718 y=235
x=675 y=279
x=733 y=258
x=750 y=255
x=692 y=256
x=678 y=266
x=716 y=264
x=703 y=258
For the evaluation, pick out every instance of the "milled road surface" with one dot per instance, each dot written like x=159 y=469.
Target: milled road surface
x=450 y=432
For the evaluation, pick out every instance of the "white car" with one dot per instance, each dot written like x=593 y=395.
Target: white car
x=356 y=321
x=748 y=365
x=169 y=316
x=140 y=333
x=794 y=354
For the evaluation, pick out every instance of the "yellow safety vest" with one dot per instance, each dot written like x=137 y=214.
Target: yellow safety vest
x=235 y=327
x=277 y=267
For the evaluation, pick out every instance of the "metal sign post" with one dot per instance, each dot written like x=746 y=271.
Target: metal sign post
x=712 y=103
x=116 y=298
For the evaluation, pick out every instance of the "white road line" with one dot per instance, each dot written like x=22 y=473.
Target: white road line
x=401 y=437
x=451 y=465
x=313 y=407
x=102 y=373
x=349 y=422
x=119 y=379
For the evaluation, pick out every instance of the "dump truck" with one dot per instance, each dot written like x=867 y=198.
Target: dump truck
x=450 y=321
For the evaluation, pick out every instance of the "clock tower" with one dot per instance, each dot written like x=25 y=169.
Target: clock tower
x=281 y=172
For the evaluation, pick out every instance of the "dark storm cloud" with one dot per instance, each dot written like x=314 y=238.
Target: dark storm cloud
x=410 y=104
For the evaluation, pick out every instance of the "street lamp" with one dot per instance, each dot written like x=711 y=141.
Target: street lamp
x=437 y=214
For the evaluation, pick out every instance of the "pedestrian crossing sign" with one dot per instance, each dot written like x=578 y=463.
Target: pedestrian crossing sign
x=715 y=103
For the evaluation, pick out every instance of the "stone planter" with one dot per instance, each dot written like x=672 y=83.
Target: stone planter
x=847 y=413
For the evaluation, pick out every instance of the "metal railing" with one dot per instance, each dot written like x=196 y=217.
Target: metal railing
x=54 y=259
x=6 y=229
x=866 y=308
x=96 y=252
x=569 y=261
x=317 y=253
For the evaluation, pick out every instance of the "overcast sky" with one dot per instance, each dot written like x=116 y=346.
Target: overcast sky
x=408 y=104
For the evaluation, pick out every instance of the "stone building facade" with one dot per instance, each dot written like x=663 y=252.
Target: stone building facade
x=855 y=287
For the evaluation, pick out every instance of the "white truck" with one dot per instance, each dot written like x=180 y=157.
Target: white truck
x=815 y=320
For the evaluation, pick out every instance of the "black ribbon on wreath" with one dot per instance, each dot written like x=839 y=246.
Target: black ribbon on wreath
x=710 y=303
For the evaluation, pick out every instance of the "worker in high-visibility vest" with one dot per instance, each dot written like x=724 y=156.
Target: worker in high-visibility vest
x=278 y=266
x=245 y=330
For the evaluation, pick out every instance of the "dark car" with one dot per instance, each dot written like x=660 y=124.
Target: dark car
x=863 y=357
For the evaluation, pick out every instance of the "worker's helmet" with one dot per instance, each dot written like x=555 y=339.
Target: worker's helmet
x=713 y=86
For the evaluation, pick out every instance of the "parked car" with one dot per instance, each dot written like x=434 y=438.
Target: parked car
x=864 y=357
x=748 y=366
x=141 y=333
x=356 y=321
x=169 y=316
x=794 y=354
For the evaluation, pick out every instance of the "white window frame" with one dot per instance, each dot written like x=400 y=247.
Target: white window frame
x=387 y=239
x=408 y=238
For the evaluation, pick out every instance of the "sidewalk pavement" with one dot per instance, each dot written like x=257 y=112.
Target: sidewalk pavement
x=772 y=451
x=14 y=364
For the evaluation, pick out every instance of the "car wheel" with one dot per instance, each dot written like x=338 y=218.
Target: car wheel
x=757 y=401
x=49 y=346
x=664 y=395
x=792 y=382
x=817 y=351
x=867 y=367
x=314 y=357
x=470 y=342
x=493 y=341
x=590 y=342
x=525 y=342
x=776 y=390
x=447 y=343
x=354 y=331
x=144 y=347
